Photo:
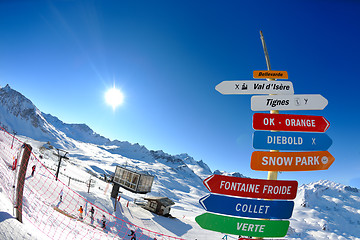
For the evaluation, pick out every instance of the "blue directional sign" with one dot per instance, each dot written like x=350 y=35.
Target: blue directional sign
x=291 y=141
x=245 y=207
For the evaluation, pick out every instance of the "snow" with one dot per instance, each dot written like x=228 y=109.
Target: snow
x=323 y=209
x=326 y=210
x=186 y=209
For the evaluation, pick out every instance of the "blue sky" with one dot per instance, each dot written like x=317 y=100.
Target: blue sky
x=168 y=56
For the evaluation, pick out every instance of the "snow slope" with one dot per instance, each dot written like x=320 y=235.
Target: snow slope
x=323 y=210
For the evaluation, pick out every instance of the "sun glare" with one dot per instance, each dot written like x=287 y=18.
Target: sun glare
x=114 y=97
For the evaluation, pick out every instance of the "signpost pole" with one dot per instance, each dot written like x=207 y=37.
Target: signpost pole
x=272 y=175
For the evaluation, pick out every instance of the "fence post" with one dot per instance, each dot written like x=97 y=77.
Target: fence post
x=21 y=181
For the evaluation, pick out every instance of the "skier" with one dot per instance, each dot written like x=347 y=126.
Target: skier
x=61 y=195
x=92 y=211
x=103 y=222
x=33 y=170
x=14 y=164
x=132 y=235
x=81 y=210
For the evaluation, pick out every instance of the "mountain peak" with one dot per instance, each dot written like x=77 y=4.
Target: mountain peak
x=19 y=114
x=7 y=88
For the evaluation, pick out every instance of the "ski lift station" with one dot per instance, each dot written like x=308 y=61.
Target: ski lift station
x=159 y=205
x=135 y=182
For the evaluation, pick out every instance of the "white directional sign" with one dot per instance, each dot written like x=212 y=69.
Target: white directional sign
x=288 y=102
x=255 y=87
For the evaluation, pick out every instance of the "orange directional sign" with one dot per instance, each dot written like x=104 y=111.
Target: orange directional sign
x=291 y=161
x=270 y=74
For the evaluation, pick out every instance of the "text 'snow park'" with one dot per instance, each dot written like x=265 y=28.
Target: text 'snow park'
x=291 y=161
x=243 y=226
x=270 y=74
x=255 y=87
x=245 y=207
x=296 y=141
x=251 y=188
x=288 y=102
x=288 y=122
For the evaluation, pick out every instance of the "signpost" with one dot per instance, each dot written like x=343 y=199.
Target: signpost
x=291 y=161
x=288 y=102
x=270 y=74
x=289 y=132
x=243 y=226
x=291 y=141
x=288 y=122
x=244 y=207
x=255 y=87
x=251 y=188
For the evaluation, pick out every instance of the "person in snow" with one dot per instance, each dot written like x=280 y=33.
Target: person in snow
x=81 y=210
x=61 y=195
x=14 y=164
x=33 y=170
x=132 y=235
x=103 y=222
x=92 y=211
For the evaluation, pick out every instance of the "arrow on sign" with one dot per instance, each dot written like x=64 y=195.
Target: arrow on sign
x=243 y=226
x=288 y=122
x=251 y=188
x=255 y=87
x=291 y=161
x=244 y=207
x=291 y=141
x=288 y=102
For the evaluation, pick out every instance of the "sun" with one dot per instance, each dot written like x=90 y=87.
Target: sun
x=114 y=97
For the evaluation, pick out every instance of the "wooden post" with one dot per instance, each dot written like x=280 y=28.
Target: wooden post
x=21 y=181
x=272 y=175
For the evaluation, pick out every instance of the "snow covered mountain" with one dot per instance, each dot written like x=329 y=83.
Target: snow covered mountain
x=326 y=210
x=18 y=114
x=323 y=210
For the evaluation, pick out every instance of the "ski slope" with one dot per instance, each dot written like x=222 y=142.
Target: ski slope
x=323 y=210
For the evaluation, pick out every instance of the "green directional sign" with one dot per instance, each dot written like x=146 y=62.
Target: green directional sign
x=243 y=226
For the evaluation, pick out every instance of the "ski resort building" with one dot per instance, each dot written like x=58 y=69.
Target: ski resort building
x=159 y=205
x=133 y=181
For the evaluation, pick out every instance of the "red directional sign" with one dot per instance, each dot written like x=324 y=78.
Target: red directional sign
x=288 y=122
x=251 y=188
